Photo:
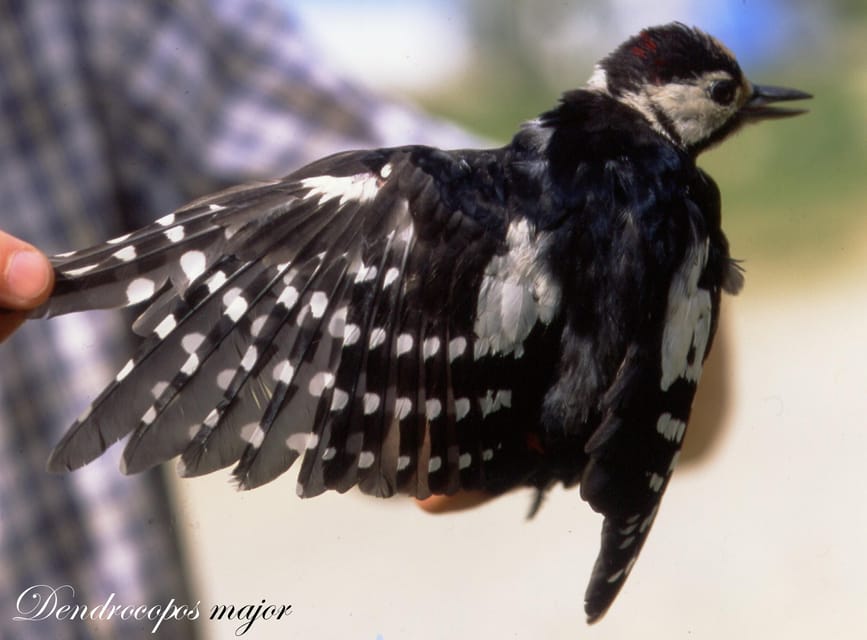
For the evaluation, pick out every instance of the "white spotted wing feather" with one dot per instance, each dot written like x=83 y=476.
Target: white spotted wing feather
x=325 y=317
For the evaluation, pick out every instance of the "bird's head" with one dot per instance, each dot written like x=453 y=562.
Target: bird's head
x=688 y=85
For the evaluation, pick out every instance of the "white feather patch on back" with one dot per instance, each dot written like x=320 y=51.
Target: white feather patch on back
x=517 y=291
x=687 y=320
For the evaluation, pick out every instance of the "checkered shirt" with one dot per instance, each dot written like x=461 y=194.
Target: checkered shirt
x=111 y=114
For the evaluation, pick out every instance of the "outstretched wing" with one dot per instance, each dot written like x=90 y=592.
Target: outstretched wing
x=369 y=313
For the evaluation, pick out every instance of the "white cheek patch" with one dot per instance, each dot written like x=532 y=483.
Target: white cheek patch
x=687 y=321
x=690 y=112
x=517 y=291
x=361 y=187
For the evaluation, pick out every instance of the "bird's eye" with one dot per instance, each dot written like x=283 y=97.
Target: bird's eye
x=723 y=91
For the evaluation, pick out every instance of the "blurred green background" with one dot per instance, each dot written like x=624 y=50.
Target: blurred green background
x=793 y=191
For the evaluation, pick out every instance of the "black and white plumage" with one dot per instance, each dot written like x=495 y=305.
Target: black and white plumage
x=419 y=321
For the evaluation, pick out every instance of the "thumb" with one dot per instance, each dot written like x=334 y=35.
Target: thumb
x=26 y=276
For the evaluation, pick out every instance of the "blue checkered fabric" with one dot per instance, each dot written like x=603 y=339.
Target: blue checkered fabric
x=111 y=114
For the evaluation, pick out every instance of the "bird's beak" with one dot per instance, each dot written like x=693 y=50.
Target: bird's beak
x=758 y=107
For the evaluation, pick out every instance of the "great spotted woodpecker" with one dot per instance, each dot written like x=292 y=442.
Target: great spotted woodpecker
x=418 y=321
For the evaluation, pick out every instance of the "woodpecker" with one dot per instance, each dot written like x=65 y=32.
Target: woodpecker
x=418 y=321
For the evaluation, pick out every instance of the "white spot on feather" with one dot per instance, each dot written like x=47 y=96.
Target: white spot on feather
x=231 y=295
x=193 y=264
x=166 y=220
x=119 y=239
x=402 y=407
x=365 y=459
x=126 y=254
x=124 y=372
x=627 y=542
x=84 y=415
x=175 y=234
x=462 y=408
x=339 y=400
x=402 y=462
x=433 y=408
x=257 y=325
x=192 y=341
x=366 y=273
x=319 y=382
x=457 y=346
x=149 y=416
x=251 y=355
x=253 y=434
x=329 y=453
x=670 y=428
x=139 y=290
x=190 y=365
x=645 y=524
x=430 y=347
x=390 y=276
x=465 y=460
x=337 y=323
x=288 y=297
x=166 y=326
x=371 y=403
x=404 y=344
x=300 y=442
x=673 y=463
x=236 y=310
x=377 y=337
x=655 y=482
x=283 y=372
x=361 y=188
x=434 y=464
x=158 y=388
x=351 y=334
x=80 y=271
x=318 y=304
x=217 y=280
x=224 y=378
x=494 y=401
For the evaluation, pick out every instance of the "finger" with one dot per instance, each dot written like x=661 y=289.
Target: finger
x=26 y=276
x=458 y=502
x=9 y=321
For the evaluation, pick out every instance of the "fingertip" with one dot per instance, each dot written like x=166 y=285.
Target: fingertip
x=28 y=278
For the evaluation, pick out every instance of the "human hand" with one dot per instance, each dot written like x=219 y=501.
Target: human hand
x=26 y=279
x=457 y=502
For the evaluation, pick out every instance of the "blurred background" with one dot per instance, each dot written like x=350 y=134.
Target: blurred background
x=767 y=537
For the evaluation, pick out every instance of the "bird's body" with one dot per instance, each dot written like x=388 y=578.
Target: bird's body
x=419 y=321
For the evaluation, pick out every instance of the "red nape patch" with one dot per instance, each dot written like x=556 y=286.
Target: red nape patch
x=646 y=46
